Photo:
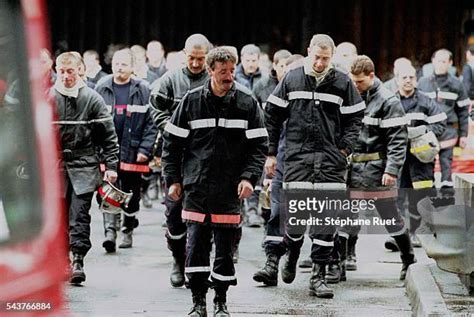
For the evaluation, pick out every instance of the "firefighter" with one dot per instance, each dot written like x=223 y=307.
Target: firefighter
x=323 y=112
x=449 y=92
x=261 y=91
x=424 y=114
x=127 y=98
x=165 y=96
x=213 y=154
x=84 y=125
x=378 y=156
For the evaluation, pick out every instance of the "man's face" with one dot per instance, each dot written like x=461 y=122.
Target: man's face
x=441 y=63
x=406 y=80
x=363 y=82
x=222 y=76
x=90 y=61
x=320 y=57
x=280 y=68
x=140 y=60
x=345 y=56
x=250 y=63
x=68 y=73
x=122 y=66
x=155 y=51
x=196 y=60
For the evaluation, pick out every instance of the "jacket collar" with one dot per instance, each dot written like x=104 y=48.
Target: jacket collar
x=227 y=98
x=188 y=73
x=69 y=92
x=240 y=69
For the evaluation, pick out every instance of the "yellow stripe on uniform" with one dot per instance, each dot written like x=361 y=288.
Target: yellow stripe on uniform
x=422 y=184
x=419 y=149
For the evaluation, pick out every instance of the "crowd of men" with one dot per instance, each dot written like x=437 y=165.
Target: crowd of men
x=227 y=134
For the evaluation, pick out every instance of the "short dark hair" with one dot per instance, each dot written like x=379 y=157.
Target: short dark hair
x=219 y=54
x=443 y=50
x=323 y=41
x=281 y=54
x=197 y=40
x=250 y=49
x=91 y=53
x=362 y=64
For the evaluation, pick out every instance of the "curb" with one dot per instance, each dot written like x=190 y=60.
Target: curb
x=425 y=296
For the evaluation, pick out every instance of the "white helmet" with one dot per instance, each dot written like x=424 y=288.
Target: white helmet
x=111 y=199
x=425 y=147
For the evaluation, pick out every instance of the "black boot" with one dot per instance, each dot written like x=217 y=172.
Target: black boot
x=268 y=275
x=77 y=275
x=177 y=272
x=109 y=242
x=317 y=283
x=406 y=253
x=220 y=305
x=199 y=304
x=288 y=272
x=391 y=244
x=333 y=273
x=351 y=262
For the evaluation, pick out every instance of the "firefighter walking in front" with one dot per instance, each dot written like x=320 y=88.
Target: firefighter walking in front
x=213 y=154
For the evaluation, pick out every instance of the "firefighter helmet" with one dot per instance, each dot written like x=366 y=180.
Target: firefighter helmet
x=111 y=199
x=425 y=147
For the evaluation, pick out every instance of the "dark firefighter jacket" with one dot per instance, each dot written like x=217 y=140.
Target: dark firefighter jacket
x=170 y=89
x=263 y=88
x=210 y=145
x=84 y=124
x=450 y=93
x=382 y=143
x=321 y=120
x=139 y=131
x=422 y=111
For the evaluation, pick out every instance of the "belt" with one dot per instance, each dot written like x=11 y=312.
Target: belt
x=365 y=157
x=69 y=155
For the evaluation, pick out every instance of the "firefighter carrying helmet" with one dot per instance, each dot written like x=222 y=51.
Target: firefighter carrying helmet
x=425 y=147
x=111 y=199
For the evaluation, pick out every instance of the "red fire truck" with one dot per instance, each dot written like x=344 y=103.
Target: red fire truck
x=32 y=231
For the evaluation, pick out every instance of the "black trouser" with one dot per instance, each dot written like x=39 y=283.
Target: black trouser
x=414 y=172
x=446 y=160
x=274 y=243
x=176 y=233
x=130 y=182
x=198 y=248
x=79 y=219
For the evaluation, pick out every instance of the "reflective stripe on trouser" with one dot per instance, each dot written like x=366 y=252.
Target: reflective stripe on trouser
x=176 y=233
x=197 y=266
x=274 y=242
x=322 y=238
x=79 y=219
x=446 y=160
x=130 y=182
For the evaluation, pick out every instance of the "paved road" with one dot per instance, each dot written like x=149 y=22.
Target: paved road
x=134 y=282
